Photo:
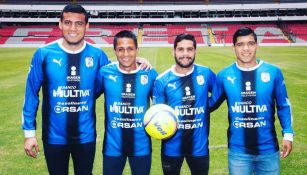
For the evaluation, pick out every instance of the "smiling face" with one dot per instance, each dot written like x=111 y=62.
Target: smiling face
x=73 y=28
x=245 y=49
x=126 y=52
x=184 y=54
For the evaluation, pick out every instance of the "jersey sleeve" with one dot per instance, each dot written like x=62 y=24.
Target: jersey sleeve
x=31 y=100
x=103 y=60
x=158 y=92
x=153 y=76
x=218 y=94
x=283 y=104
x=99 y=83
x=212 y=78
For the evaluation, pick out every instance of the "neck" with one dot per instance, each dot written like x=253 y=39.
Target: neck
x=72 y=47
x=247 y=65
x=128 y=69
x=183 y=70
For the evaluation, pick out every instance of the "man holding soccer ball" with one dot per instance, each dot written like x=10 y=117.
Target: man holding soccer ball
x=127 y=90
x=185 y=87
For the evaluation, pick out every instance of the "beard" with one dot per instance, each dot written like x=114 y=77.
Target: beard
x=189 y=64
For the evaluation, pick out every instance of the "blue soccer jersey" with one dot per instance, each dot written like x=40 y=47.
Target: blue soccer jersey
x=188 y=95
x=251 y=97
x=68 y=86
x=127 y=97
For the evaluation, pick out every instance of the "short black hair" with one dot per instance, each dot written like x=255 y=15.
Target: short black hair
x=184 y=36
x=243 y=31
x=74 y=8
x=125 y=34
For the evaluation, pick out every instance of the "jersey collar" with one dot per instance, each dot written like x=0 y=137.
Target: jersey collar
x=125 y=72
x=60 y=41
x=251 y=68
x=181 y=75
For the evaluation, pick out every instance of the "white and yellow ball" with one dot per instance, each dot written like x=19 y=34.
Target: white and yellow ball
x=160 y=121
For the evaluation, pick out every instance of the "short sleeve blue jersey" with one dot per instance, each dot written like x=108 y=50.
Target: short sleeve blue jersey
x=127 y=97
x=251 y=97
x=188 y=95
x=68 y=87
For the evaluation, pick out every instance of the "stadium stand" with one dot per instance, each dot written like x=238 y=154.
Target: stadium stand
x=277 y=22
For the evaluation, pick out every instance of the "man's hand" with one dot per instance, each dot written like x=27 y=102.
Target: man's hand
x=286 y=148
x=145 y=64
x=31 y=147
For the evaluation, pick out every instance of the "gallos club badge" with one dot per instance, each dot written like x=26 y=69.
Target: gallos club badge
x=89 y=62
x=265 y=77
x=200 y=79
x=144 y=79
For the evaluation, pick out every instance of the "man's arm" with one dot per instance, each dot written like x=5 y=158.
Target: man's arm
x=284 y=112
x=31 y=101
x=217 y=95
x=158 y=92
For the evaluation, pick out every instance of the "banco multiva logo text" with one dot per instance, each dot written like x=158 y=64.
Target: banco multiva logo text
x=126 y=108
x=189 y=110
x=248 y=107
x=70 y=91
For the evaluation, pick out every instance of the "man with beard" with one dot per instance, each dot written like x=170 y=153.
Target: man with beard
x=185 y=87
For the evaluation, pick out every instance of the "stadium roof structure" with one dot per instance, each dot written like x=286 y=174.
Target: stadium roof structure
x=143 y=12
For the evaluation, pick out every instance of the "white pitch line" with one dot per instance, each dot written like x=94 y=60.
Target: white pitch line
x=217 y=146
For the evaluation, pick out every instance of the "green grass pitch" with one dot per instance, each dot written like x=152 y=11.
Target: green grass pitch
x=14 y=64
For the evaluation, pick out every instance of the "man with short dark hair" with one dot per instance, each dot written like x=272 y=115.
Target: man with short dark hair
x=65 y=70
x=185 y=87
x=253 y=88
x=127 y=90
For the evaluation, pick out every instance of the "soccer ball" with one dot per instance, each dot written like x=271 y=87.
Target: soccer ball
x=160 y=121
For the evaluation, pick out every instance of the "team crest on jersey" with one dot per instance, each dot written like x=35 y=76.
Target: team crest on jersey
x=144 y=79
x=89 y=62
x=200 y=79
x=265 y=77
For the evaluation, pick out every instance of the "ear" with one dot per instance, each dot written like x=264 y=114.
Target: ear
x=87 y=26
x=173 y=52
x=60 y=25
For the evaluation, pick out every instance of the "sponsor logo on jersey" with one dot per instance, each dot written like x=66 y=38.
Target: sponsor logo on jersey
x=190 y=124
x=231 y=79
x=265 y=77
x=187 y=110
x=70 y=91
x=128 y=93
x=254 y=124
x=89 y=61
x=126 y=123
x=247 y=107
x=200 y=80
x=57 y=61
x=172 y=85
x=123 y=108
x=73 y=74
x=144 y=79
x=188 y=96
x=248 y=90
x=111 y=77
x=61 y=109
